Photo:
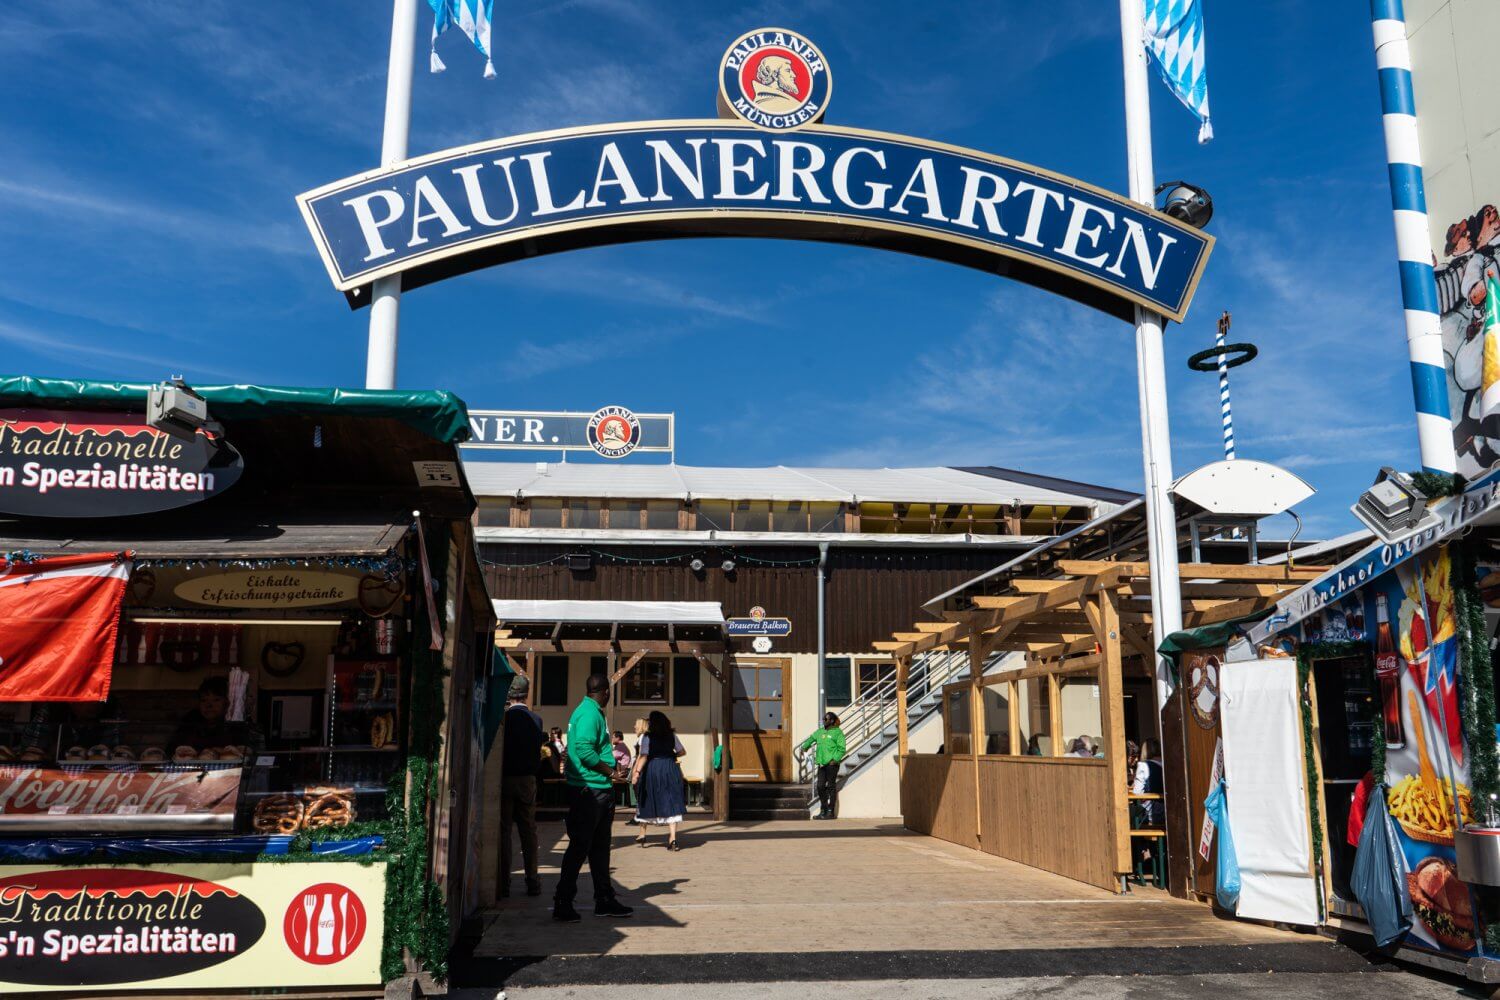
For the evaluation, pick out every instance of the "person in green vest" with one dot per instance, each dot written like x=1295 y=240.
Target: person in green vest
x=829 y=741
x=590 y=770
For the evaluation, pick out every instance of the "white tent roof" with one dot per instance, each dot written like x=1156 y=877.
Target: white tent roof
x=938 y=484
x=610 y=612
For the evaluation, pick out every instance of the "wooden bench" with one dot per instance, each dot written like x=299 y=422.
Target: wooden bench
x=1156 y=839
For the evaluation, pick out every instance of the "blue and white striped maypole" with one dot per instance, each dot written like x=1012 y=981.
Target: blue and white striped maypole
x=1424 y=341
x=1224 y=388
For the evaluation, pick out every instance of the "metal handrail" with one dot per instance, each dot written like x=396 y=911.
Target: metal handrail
x=875 y=709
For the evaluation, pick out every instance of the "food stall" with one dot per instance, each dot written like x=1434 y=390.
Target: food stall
x=1389 y=667
x=241 y=676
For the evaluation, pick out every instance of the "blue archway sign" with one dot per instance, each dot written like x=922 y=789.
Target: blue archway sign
x=462 y=209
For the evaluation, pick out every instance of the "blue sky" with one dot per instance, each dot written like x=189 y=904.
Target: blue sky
x=152 y=150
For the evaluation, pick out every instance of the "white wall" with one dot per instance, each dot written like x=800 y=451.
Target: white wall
x=875 y=792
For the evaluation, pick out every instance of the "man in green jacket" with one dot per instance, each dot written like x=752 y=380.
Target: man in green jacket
x=589 y=767
x=829 y=755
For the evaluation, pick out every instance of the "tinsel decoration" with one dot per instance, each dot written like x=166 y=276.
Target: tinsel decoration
x=1437 y=484
x=390 y=565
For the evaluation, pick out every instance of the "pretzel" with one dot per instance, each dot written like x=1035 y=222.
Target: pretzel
x=381 y=729
x=279 y=814
x=185 y=753
x=332 y=808
x=153 y=755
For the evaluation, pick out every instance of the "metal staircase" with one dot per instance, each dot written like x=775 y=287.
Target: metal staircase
x=869 y=722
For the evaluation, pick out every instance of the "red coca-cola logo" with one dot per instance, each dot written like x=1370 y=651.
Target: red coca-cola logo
x=324 y=923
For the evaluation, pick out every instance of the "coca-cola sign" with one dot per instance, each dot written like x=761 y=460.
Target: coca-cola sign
x=65 y=463
x=97 y=926
x=120 y=797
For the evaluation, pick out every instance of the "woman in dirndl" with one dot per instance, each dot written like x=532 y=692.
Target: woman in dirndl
x=659 y=780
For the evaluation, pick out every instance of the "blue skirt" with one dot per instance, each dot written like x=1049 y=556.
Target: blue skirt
x=661 y=798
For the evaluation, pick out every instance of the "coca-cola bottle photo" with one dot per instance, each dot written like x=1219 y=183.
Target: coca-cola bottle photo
x=1388 y=673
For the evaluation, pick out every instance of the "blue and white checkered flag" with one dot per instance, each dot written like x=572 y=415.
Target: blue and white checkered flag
x=1174 y=34
x=473 y=17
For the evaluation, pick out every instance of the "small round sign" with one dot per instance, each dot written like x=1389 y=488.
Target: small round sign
x=614 y=431
x=761 y=644
x=774 y=79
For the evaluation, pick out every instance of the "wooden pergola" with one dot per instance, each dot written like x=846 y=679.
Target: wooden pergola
x=1089 y=621
x=624 y=645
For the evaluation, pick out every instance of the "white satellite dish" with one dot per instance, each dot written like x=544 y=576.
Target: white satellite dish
x=1242 y=488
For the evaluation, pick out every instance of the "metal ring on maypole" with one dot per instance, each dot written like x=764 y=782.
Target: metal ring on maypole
x=1234 y=355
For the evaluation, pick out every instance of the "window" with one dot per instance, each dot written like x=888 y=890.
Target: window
x=494 y=512
x=661 y=515
x=826 y=517
x=583 y=513
x=625 y=514
x=957 y=731
x=553 y=689
x=686 y=680
x=757 y=697
x=646 y=684
x=1079 y=703
x=1033 y=697
x=752 y=515
x=997 y=719
x=546 y=513
x=713 y=515
x=789 y=515
x=877 y=679
x=837 y=681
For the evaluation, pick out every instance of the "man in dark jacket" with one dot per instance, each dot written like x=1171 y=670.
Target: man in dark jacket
x=522 y=759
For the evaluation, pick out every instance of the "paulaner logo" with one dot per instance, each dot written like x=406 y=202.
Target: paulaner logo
x=614 y=431
x=774 y=79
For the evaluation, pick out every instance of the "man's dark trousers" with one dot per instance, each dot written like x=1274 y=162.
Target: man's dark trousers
x=590 y=825
x=828 y=787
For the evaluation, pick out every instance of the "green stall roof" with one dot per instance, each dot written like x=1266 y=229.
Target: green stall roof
x=1208 y=636
x=437 y=413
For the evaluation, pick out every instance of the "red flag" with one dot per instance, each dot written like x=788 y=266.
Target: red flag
x=58 y=622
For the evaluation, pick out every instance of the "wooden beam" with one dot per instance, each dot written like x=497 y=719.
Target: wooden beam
x=1026 y=586
x=988 y=603
x=1083 y=644
x=726 y=721
x=531 y=692
x=1112 y=716
x=1259 y=573
x=1021 y=608
x=1138 y=640
x=903 y=673
x=888 y=647
x=909 y=636
x=1142 y=588
x=684 y=647
x=937 y=627
x=707 y=665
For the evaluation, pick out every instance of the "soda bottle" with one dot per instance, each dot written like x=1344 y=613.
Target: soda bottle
x=1388 y=672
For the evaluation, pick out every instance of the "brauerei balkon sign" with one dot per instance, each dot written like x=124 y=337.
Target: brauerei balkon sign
x=774 y=171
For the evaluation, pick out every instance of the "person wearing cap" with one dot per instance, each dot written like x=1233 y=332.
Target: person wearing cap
x=828 y=755
x=521 y=760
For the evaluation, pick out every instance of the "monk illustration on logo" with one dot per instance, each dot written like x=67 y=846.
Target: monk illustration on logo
x=776 y=86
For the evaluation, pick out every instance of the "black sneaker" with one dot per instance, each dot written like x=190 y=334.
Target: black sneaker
x=612 y=908
x=564 y=913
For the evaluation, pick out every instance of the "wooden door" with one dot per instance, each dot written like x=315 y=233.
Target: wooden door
x=760 y=739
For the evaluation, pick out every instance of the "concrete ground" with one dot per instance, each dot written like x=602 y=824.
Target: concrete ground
x=859 y=908
x=1242 y=986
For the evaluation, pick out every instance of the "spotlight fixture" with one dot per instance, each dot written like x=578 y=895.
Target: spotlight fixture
x=1185 y=202
x=1393 y=508
x=580 y=562
x=175 y=408
x=696 y=565
x=727 y=565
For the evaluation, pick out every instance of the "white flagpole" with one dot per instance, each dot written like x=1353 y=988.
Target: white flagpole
x=1156 y=439
x=385 y=302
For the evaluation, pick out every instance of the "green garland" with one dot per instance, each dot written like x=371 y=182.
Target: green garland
x=1476 y=685
x=1437 y=484
x=416 y=913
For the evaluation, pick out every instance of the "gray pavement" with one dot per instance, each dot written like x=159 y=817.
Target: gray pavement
x=1387 y=984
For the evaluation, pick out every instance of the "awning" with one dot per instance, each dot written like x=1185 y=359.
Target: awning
x=612 y=612
x=210 y=539
x=436 y=413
